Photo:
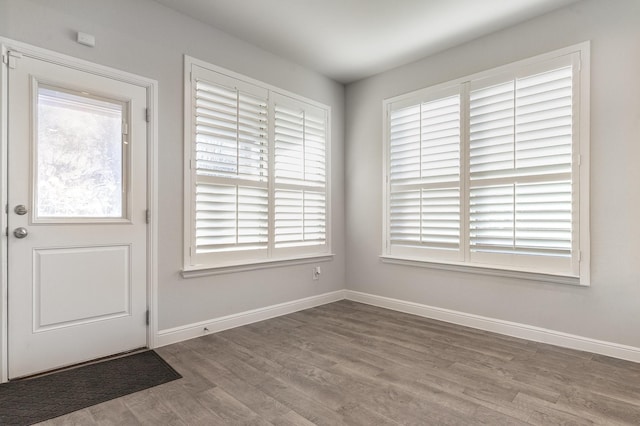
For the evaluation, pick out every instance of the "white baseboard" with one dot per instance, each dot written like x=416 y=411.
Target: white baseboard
x=190 y=331
x=523 y=331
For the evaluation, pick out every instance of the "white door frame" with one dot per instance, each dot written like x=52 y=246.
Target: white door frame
x=151 y=87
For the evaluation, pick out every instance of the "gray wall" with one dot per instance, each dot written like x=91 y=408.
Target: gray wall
x=608 y=310
x=145 y=38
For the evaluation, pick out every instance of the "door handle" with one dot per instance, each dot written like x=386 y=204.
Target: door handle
x=20 y=232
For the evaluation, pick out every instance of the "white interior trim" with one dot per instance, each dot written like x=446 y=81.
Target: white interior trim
x=508 y=328
x=483 y=270
x=214 y=325
x=151 y=87
x=152 y=205
x=4 y=293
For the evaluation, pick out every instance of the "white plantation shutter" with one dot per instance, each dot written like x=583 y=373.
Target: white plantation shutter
x=231 y=165
x=483 y=172
x=424 y=174
x=300 y=201
x=256 y=172
x=521 y=165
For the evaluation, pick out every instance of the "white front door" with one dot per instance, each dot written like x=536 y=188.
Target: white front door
x=77 y=201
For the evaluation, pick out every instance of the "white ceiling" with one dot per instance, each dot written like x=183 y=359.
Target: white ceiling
x=351 y=39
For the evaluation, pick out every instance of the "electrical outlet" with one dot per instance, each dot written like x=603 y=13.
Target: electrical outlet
x=316 y=273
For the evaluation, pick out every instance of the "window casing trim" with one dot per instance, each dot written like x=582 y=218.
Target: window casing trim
x=464 y=259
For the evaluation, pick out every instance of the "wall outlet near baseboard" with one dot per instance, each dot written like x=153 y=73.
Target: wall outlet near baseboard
x=316 y=272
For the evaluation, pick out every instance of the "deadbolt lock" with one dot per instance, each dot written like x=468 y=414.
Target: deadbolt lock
x=20 y=209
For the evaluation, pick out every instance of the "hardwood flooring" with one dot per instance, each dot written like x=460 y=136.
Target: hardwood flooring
x=348 y=363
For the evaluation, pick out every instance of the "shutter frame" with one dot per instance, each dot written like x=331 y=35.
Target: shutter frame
x=535 y=111
x=300 y=173
x=424 y=196
x=565 y=251
x=231 y=174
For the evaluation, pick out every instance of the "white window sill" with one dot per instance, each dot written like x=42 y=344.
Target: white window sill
x=484 y=270
x=205 y=270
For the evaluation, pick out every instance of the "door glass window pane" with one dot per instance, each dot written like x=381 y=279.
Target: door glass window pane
x=79 y=156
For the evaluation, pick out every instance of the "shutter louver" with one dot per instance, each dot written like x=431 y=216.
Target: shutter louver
x=424 y=175
x=492 y=219
x=543 y=218
x=492 y=131
x=426 y=217
x=405 y=217
x=300 y=218
x=523 y=219
x=231 y=133
x=300 y=175
x=231 y=217
x=520 y=166
x=299 y=147
x=405 y=145
x=231 y=167
x=544 y=123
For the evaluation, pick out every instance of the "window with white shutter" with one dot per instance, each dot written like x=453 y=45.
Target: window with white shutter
x=489 y=171
x=424 y=175
x=231 y=173
x=256 y=172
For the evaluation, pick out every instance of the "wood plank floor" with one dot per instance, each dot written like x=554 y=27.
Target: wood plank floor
x=354 y=364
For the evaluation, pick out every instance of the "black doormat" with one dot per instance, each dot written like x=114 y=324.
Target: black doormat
x=28 y=401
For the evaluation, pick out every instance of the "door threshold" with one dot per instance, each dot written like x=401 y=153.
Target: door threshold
x=81 y=364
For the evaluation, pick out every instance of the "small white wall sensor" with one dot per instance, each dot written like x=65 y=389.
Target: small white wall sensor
x=86 y=39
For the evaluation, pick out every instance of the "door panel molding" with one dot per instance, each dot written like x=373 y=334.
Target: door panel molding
x=65 y=313
x=151 y=89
